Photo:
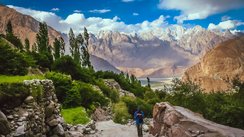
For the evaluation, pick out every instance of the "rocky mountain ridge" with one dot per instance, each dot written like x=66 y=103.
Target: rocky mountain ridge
x=219 y=67
x=151 y=53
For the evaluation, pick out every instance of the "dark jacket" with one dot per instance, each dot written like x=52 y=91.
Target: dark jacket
x=138 y=117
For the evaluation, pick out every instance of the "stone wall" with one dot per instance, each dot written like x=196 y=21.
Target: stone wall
x=39 y=115
x=174 y=121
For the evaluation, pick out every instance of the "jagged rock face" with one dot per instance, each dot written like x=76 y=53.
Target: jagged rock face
x=174 y=121
x=219 y=66
x=24 y=26
x=154 y=53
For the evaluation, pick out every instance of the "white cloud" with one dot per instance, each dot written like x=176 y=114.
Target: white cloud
x=128 y=0
x=199 y=9
x=135 y=14
x=224 y=25
x=55 y=9
x=77 y=11
x=100 y=11
x=78 y=21
x=225 y=18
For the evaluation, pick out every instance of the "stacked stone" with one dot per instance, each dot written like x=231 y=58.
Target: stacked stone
x=54 y=120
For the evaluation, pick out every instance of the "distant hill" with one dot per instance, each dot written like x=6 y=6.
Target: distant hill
x=101 y=64
x=24 y=26
x=219 y=66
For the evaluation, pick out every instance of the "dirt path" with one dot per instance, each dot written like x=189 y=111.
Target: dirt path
x=111 y=129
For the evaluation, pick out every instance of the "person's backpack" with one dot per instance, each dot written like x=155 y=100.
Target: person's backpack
x=140 y=117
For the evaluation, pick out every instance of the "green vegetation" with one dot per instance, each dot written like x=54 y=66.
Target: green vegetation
x=121 y=114
x=76 y=115
x=18 y=79
x=220 y=107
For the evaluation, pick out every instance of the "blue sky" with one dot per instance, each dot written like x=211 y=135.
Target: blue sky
x=184 y=12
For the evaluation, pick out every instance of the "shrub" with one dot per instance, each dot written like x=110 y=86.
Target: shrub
x=75 y=116
x=134 y=103
x=62 y=84
x=12 y=62
x=12 y=94
x=84 y=94
x=121 y=114
x=68 y=66
x=110 y=93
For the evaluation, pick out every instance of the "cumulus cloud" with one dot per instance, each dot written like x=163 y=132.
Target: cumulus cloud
x=128 y=0
x=77 y=11
x=55 y=9
x=77 y=21
x=199 y=9
x=135 y=14
x=100 y=11
x=224 y=25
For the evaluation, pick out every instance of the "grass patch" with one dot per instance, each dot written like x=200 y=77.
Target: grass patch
x=76 y=115
x=18 y=79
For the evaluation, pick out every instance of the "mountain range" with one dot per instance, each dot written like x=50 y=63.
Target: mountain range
x=158 y=53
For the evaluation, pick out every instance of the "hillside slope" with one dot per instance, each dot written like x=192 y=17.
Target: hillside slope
x=24 y=26
x=219 y=66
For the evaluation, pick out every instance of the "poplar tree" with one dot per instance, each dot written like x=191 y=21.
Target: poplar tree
x=85 y=52
x=27 y=45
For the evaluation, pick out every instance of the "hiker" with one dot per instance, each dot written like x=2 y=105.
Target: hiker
x=138 y=117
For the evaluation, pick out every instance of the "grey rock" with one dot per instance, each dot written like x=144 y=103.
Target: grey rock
x=73 y=134
x=53 y=123
x=4 y=124
x=20 y=131
x=49 y=109
x=29 y=99
x=59 y=130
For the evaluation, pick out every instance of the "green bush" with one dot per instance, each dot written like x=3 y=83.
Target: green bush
x=62 y=83
x=107 y=91
x=130 y=84
x=134 y=103
x=221 y=107
x=13 y=94
x=121 y=114
x=68 y=66
x=75 y=116
x=13 y=62
x=84 y=94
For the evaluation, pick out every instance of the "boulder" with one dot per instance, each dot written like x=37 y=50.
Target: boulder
x=53 y=122
x=4 y=124
x=50 y=109
x=29 y=100
x=174 y=121
x=20 y=131
x=58 y=130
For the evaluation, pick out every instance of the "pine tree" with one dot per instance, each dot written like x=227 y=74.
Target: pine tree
x=11 y=37
x=57 y=47
x=72 y=42
x=62 y=46
x=148 y=82
x=9 y=28
x=42 y=39
x=27 y=45
x=43 y=47
x=85 y=52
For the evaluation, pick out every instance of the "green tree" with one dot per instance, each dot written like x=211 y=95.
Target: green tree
x=62 y=46
x=85 y=52
x=11 y=37
x=27 y=45
x=9 y=28
x=42 y=42
x=57 y=48
x=74 y=47
x=148 y=82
